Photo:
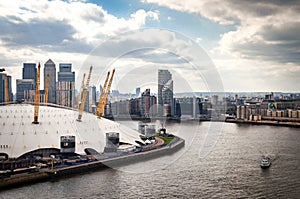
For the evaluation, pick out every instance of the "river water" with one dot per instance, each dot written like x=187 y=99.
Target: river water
x=219 y=160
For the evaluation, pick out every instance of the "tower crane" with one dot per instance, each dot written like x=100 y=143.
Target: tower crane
x=6 y=90
x=80 y=92
x=84 y=95
x=46 y=90
x=37 y=97
x=106 y=89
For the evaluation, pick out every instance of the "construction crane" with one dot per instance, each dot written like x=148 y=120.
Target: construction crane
x=105 y=97
x=6 y=90
x=46 y=90
x=80 y=90
x=37 y=97
x=101 y=98
x=84 y=95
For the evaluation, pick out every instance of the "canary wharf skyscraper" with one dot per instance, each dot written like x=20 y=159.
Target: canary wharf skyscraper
x=50 y=70
x=29 y=71
x=65 y=88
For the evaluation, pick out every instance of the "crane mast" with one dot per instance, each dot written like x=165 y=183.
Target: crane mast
x=80 y=92
x=37 y=97
x=6 y=91
x=46 y=90
x=105 y=96
x=101 y=98
x=84 y=95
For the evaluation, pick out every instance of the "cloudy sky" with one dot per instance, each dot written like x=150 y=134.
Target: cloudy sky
x=208 y=45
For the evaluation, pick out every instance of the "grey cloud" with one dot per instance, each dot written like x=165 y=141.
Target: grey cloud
x=49 y=35
x=159 y=48
x=283 y=53
x=149 y=55
x=262 y=8
x=286 y=32
x=154 y=46
x=280 y=40
x=273 y=22
x=115 y=47
x=280 y=43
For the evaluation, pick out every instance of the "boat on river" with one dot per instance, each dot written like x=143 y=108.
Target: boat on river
x=265 y=162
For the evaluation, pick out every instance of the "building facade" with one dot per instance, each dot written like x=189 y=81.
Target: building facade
x=92 y=99
x=147 y=104
x=165 y=93
x=65 y=87
x=189 y=106
x=167 y=98
x=24 y=87
x=5 y=79
x=137 y=92
x=29 y=72
x=283 y=110
x=50 y=69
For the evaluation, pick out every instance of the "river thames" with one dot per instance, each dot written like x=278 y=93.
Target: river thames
x=219 y=160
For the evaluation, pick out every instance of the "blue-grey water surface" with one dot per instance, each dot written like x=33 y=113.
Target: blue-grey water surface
x=220 y=160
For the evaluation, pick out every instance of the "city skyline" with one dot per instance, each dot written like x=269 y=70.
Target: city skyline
x=133 y=91
x=252 y=46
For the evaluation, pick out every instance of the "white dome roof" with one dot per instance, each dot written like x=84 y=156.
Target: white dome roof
x=18 y=135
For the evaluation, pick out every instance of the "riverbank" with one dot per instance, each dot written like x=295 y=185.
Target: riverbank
x=265 y=122
x=112 y=161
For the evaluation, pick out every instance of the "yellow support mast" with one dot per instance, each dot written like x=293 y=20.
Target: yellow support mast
x=101 y=98
x=84 y=95
x=80 y=92
x=37 y=97
x=6 y=91
x=105 y=97
x=46 y=90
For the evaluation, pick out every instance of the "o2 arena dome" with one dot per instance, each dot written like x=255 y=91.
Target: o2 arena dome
x=57 y=132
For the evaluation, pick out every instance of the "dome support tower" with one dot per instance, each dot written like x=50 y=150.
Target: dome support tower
x=37 y=97
x=85 y=90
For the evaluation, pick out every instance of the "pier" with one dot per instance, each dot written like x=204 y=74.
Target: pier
x=44 y=174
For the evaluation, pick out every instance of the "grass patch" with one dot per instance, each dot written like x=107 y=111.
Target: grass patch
x=166 y=139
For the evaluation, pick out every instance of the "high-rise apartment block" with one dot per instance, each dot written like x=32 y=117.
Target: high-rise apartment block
x=49 y=69
x=165 y=93
x=147 y=104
